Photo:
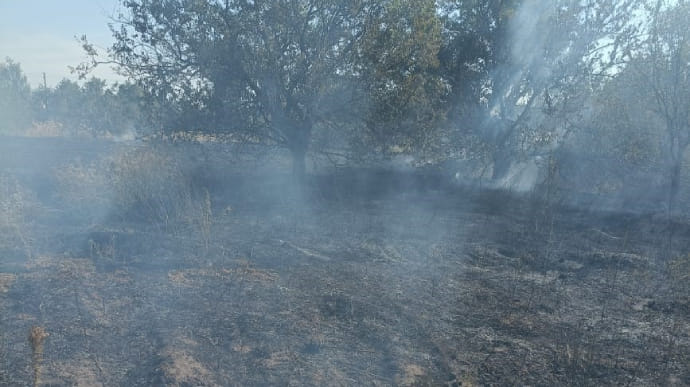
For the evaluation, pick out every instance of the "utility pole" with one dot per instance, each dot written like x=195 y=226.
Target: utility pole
x=45 y=93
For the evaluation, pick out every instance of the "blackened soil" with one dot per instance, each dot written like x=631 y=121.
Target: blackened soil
x=416 y=285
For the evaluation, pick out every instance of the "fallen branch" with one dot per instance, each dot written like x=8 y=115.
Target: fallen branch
x=605 y=234
x=304 y=251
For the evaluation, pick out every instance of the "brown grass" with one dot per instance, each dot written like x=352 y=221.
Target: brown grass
x=37 y=337
x=142 y=183
x=15 y=204
x=182 y=369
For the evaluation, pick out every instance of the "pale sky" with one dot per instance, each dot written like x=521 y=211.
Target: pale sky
x=40 y=35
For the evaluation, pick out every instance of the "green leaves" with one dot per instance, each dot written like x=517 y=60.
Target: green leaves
x=400 y=64
x=281 y=71
x=15 y=98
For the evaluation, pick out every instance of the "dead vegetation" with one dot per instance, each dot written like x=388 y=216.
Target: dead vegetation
x=37 y=337
x=436 y=288
x=17 y=205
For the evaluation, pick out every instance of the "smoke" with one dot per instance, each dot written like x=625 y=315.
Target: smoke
x=522 y=176
x=530 y=36
x=535 y=91
x=165 y=262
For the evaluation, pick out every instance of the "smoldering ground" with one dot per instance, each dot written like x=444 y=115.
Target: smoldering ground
x=359 y=276
x=206 y=263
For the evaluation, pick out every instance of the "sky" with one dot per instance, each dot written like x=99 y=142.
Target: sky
x=40 y=35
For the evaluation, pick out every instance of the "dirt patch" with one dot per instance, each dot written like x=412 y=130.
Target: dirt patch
x=181 y=369
x=82 y=373
x=411 y=375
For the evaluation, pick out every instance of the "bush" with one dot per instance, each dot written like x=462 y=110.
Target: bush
x=140 y=184
x=149 y=185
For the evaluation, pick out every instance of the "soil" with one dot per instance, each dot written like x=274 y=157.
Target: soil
x=433 y=286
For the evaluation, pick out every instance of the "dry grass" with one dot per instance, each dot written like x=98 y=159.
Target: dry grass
x=16 y=203
x=86 y=184
x=182 y=369
x=141 y=184
x=37 y=337
x=679 y=270
x=150 y=183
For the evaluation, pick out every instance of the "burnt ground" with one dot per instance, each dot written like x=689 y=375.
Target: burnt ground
x=255 y=283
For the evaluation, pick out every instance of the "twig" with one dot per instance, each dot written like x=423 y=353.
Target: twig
x=304 y=251
x=605 y=234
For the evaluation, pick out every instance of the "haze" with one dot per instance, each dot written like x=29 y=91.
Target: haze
x=345 y=192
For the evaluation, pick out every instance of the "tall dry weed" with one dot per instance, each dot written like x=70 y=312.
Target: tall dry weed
x=142 y=184
x=37 y=336
x=15 y=203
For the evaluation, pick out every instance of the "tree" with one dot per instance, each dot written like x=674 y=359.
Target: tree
x=616 y=147
x=662 y=64
x=272 y=71
x=399 y=66
x=15 y=98
x=95 y=110
x=65 y=105
x=258 y=69
x=92 y=108
x=530 y=67
x=253 y=68
x=127 y=105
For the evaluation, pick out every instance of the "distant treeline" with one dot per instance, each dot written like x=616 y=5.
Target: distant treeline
x=88 y=108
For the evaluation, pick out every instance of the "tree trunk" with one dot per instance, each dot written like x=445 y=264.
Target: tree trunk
x=675 y=160
x=502 y=161
x=503 y=152
x=298 y=145
x=299 y=163
x=503 y=156
x=674 y=183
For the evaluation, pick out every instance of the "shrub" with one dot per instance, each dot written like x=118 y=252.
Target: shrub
x=150 y=185
x=141 y=184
